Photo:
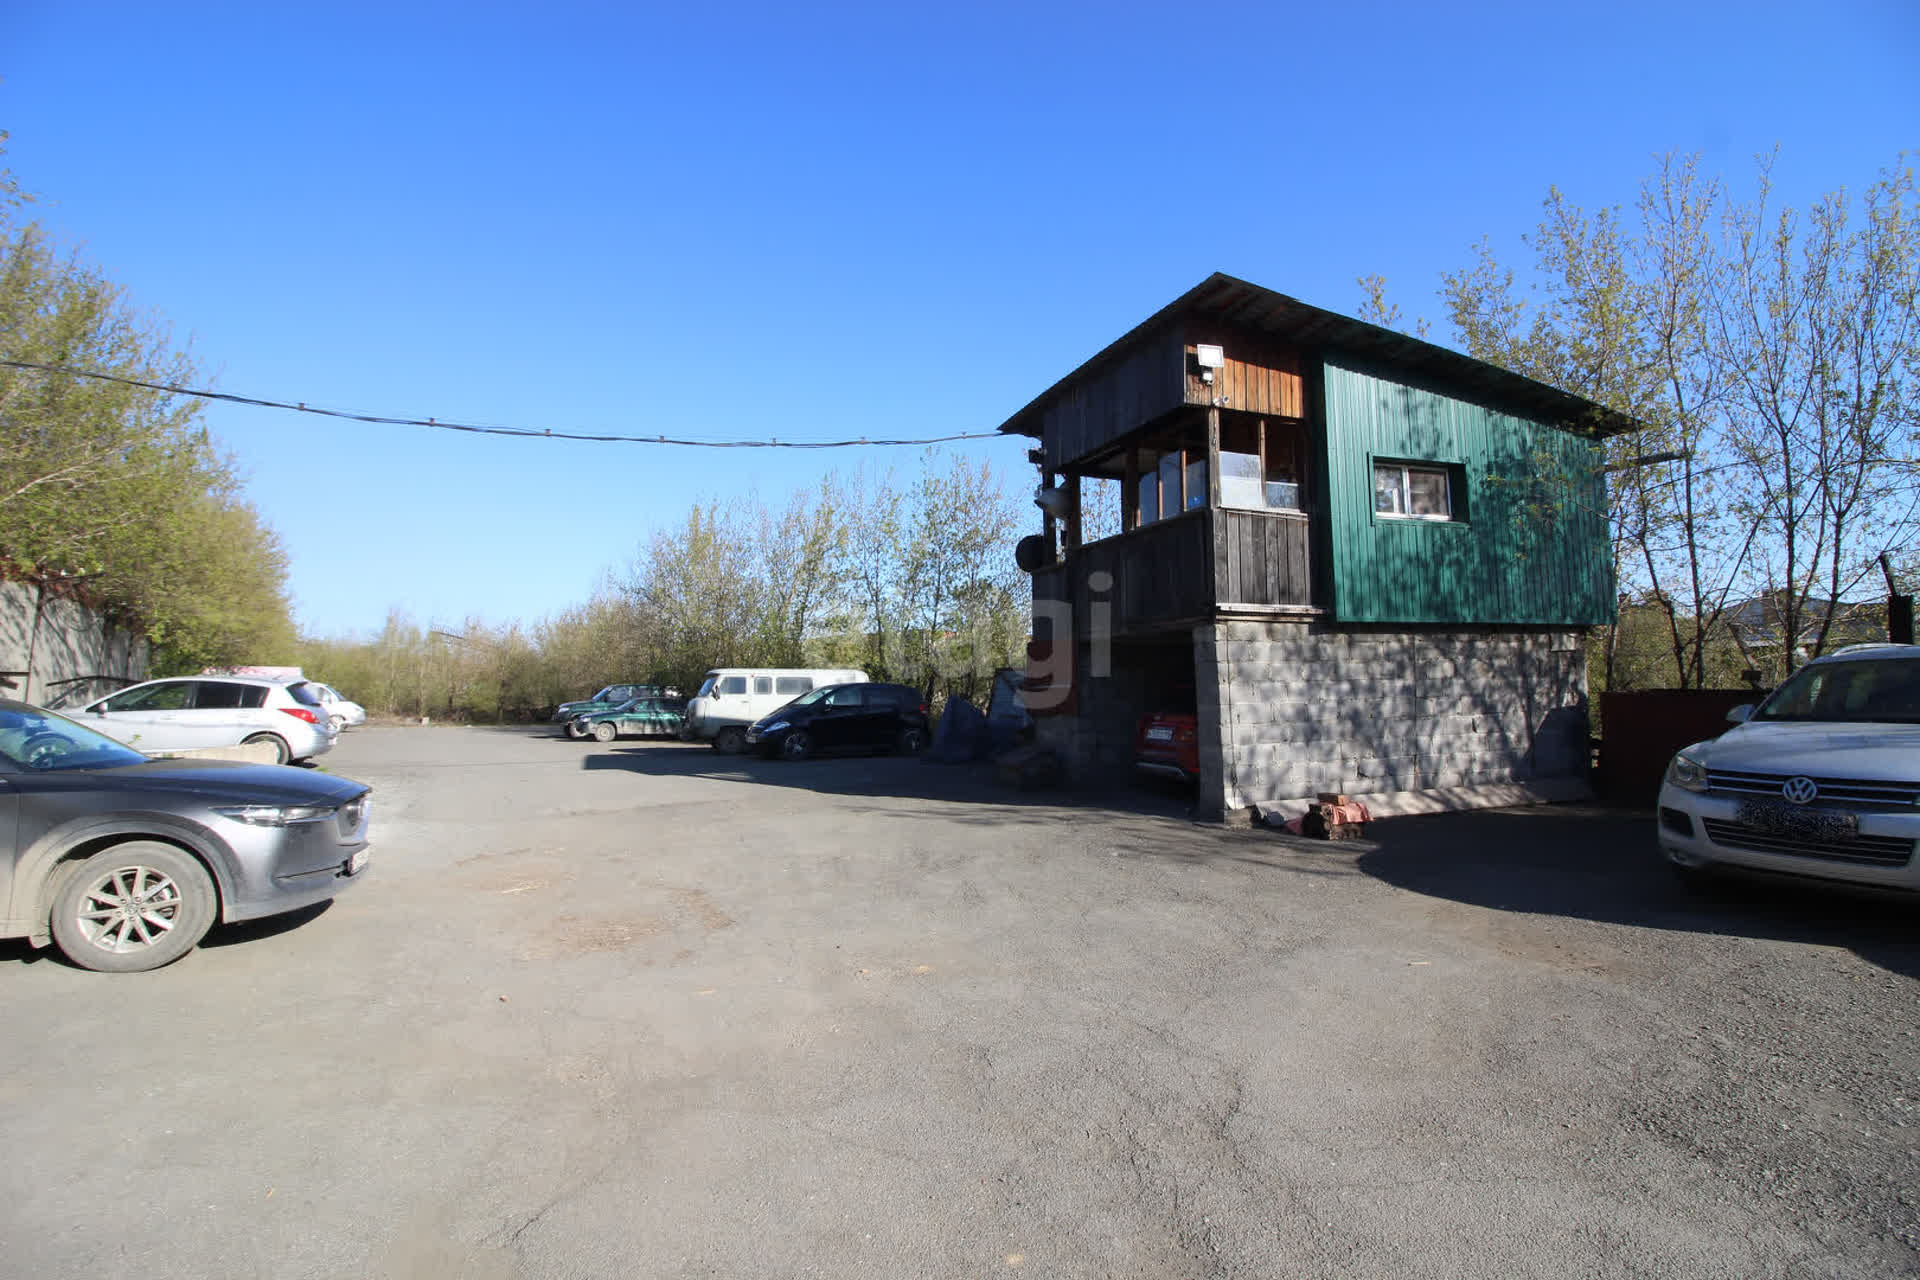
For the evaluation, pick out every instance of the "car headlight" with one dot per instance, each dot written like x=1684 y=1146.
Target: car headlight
x=276 y=815
x=1687 y=773
x=775 y=727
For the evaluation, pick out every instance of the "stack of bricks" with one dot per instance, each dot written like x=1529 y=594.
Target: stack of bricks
x=1335 y=817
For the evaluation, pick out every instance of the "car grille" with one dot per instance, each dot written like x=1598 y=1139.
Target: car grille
x=1849 y=791
x=1877 y=851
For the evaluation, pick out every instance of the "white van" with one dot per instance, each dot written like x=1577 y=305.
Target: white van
x=731 y=698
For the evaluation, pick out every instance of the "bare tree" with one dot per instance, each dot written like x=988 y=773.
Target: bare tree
x=1771 y=357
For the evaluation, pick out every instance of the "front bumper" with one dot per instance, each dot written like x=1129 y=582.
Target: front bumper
x=1704 y=830
x=285 y=868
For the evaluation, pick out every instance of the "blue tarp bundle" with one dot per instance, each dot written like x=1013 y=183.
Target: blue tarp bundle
x=961 y=734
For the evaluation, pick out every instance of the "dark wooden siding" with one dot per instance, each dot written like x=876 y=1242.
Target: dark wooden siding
x=1183 y=570
x=1136 y=389
x=1156 y=376
x=1260 y=558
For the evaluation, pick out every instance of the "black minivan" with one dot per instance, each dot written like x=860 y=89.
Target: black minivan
x=844 y=717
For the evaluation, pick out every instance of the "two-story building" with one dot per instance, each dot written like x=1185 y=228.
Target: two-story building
x=1363 y=562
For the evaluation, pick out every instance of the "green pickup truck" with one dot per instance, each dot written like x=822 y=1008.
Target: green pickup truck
x=614 y=695
x=639 y=717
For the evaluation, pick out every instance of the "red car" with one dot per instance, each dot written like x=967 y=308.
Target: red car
x=1167 y=743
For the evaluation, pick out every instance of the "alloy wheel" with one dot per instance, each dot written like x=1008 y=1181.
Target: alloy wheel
x=128 y=909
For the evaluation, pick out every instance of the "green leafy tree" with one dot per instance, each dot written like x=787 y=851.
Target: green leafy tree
x=116 y=489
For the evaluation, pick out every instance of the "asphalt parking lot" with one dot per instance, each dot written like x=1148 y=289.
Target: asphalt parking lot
x=640 y=1010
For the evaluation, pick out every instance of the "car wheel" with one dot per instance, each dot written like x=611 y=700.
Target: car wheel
x=280 y=752
x=135 y=906
x=797 y=745
x=339 y=725
x=913 y=740
x=605 y=733
x=730 y=741
x=571 y=729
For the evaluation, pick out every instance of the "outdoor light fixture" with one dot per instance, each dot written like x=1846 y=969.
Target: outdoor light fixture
x=1209 y=358
x=1052 y=501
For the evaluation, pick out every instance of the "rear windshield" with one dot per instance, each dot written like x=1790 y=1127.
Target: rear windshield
x=305 y=695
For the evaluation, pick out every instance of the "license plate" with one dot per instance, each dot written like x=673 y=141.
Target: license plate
x=357 y=861
x=1787 y=820
x=1160 y=734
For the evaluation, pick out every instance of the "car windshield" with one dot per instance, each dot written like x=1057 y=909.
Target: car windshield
x=808 y=699
x=42 y=741
x=706 y=686
x=1873 y=690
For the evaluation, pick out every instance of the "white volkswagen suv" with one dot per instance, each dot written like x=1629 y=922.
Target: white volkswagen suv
x=1821 y=780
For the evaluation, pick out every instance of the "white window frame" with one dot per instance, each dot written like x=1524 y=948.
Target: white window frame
x=1407 y=471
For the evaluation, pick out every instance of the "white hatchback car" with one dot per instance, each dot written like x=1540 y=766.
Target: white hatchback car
x=215 y=711
x=1821 y=780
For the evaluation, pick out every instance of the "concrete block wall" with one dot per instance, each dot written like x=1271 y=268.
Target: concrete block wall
x=1297 y=708
x=68 y=641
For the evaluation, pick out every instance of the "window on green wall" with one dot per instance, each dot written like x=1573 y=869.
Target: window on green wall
x=1413 y=490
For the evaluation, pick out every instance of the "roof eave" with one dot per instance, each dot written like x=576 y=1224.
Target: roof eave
x=1240 y=301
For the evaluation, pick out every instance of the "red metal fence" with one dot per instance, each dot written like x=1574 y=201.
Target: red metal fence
x=1641 y=731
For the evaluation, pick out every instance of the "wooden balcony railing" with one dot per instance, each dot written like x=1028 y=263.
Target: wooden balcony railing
x=1187 y=569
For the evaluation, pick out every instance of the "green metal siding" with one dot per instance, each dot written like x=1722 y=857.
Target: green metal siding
x=1533 y=547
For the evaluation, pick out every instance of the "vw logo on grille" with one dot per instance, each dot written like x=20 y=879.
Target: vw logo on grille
x=1799 y=790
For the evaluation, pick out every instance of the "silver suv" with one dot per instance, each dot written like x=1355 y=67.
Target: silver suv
x=191 y=712
x=1821 y=780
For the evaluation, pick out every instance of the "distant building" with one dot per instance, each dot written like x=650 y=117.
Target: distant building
x=1759 y=628
x=1365 y=563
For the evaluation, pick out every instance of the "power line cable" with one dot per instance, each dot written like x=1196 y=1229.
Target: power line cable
x=438 y=424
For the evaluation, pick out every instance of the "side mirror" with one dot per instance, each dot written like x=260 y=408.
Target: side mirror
x=1740 y=714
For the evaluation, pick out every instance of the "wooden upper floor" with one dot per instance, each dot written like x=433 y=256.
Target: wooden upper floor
x=1265 y=456
x=1268 y=344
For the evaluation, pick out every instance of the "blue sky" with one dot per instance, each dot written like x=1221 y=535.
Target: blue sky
x=751 y=221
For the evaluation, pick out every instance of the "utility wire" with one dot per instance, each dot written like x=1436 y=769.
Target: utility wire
x=438 y=424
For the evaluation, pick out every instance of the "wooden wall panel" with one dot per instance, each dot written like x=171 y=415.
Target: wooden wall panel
x=1128 y=393
x=1261 y=558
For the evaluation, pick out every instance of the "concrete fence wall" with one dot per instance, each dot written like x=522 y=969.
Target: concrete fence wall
x=48 y=639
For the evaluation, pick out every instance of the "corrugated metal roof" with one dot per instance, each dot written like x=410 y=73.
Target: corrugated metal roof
x=1251 y=307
